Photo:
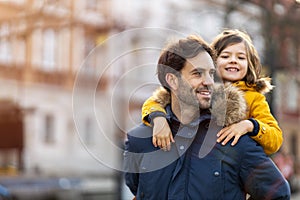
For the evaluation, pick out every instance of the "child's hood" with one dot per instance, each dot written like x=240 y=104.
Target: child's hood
x=228 y=103
x=263 y=85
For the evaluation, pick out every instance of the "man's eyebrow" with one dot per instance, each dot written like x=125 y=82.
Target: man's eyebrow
x=198 y=70
x=202 y=69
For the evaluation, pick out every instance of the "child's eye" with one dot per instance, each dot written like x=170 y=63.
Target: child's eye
x=224 y=56
x=242 y=58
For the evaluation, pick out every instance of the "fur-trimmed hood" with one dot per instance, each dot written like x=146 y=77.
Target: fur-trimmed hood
x=262 y=85
x=228 y=103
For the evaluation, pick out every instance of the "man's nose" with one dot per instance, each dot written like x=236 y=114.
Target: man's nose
x=208 y=80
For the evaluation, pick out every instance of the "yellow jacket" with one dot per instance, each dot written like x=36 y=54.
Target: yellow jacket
x=269 y=136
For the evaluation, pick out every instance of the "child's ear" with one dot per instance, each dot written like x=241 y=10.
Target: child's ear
x=172 y=80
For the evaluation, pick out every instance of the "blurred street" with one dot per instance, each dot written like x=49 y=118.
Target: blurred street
x=295 y=196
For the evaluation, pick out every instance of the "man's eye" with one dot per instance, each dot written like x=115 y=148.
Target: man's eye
x=197 y=73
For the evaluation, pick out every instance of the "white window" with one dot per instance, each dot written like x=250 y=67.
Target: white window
x=5 y=44
x=5 y=51
x=49 y=50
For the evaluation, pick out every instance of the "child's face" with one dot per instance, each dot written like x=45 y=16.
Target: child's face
x=232 y=62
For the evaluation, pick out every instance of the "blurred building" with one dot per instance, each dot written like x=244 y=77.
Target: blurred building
x=43 y=46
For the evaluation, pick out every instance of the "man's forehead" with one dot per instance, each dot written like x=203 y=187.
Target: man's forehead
x=202 y=59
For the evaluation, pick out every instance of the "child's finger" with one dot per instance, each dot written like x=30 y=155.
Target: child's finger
x=163 y=145
x=171 y=138
x=168 y=143
x=236 y=139
x=158 y=142
x=223 y=136
x=228 y=137
x=154 y=141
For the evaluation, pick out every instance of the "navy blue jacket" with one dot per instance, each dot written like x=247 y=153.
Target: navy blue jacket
x=199 y=168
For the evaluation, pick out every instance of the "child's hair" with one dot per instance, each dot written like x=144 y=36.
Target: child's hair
x=233 y=36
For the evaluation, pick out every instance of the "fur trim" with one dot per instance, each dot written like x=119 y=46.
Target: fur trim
x=263 y=85
x=228 y=104
x=162 y=96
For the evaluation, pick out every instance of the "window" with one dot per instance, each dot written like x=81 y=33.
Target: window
x=49 y=129
x=5 y=51
x=5 y=44
x=88 y=131
x=49 y=49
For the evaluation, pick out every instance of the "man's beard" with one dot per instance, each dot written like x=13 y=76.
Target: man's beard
x=188 y=95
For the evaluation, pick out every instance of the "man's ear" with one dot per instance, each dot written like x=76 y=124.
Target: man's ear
x=172 y=80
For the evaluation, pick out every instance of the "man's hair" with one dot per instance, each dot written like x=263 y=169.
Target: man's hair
x=233 y=36
x=174 y=56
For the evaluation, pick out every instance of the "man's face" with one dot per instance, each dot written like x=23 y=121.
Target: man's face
x=197 y=79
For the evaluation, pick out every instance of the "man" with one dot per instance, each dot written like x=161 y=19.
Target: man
x=196 y=167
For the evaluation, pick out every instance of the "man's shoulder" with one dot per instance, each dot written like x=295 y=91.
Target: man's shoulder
x=247 y=140
x=140 y=131
x=246 y=144
x=139 y=139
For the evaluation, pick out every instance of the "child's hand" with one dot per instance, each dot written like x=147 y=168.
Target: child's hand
x=234 y=130
x=162 y=135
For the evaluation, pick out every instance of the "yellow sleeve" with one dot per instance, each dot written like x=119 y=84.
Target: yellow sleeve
x=157 y=102
x=270 y=135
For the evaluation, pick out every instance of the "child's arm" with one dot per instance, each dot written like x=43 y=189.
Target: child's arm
x=263 y=127
x=162 y=135
x=153 y=113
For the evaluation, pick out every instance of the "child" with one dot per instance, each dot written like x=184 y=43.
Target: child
x=238 y=64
